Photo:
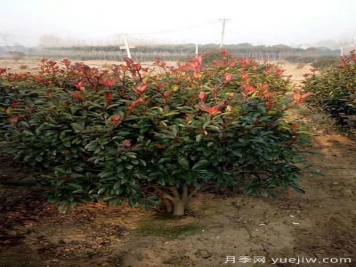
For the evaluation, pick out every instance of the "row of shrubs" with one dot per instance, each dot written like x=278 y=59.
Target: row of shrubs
x=321 y=63
x=334 y=91
x=153 y=135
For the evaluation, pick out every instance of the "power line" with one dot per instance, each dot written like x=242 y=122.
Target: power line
x=175 y=30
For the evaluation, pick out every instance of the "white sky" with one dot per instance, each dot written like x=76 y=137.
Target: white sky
x=255 y=21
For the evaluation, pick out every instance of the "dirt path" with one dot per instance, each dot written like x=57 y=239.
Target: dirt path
x=319 y=224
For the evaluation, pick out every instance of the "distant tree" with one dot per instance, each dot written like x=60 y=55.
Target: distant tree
x=5 y=38
x=348 y=43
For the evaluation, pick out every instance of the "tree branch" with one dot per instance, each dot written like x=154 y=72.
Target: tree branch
x=192 y=194
x=175 y=192
x=169 y=197
x=164 y=194
x=185 y=193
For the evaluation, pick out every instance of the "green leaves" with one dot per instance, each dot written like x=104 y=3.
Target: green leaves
x=114 y=136
x=200 y=164
x=334 y=91
x=77 y=127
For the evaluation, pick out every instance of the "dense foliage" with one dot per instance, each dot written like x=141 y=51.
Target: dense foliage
x=143 y=135
x=335 y=91
x=323 y=63
x=241 y=48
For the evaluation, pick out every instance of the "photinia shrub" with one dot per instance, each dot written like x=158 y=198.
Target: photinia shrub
x=334 y=91
x=147 y=136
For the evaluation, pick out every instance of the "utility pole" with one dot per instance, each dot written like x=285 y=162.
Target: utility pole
x=223 y=32
x=127 y=46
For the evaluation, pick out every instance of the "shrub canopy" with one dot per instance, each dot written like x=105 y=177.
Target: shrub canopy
x=142 y=134
x=334 y=91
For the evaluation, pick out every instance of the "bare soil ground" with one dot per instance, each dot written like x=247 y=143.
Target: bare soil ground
x=319 y=224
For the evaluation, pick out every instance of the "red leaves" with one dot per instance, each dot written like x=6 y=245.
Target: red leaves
x=66 y=62
x=313 y=70
x=353 y=55
x=134 y=68
x=264 y=87
x=41 y=80
x=38 y=78
x=80 y=86
x=135 y=104
x=109 y=83
x=116 y=119
x=246 y=63
x=129 y=61
x=274 y=70
x=345 y=61
x=108 y=97
x=248 y=89
x=211 y=110
x=224 y=53
x=245 y=78
x=268 y=95
x=3 y=71
x=199 y=59
x=77 y=95
x=14 y=105
x=160 y=63
x=279 y=72
x=48 y=67
x=203 y=96
x=141 y=88
x=219 y=63
x=228 y=77
x=127 y=143
x=269 y=99
x=299 y=97
x=195 y=66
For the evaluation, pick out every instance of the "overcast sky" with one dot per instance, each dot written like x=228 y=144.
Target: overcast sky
x=255 y=21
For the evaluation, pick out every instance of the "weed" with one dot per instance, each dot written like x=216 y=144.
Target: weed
x=168 y=231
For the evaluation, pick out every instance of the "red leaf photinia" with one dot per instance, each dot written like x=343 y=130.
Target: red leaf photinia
x=135 y=104
x=128 y=61
x=211 y=110
x=108 y=97
x=248 y=89
x=228 y=77
x=141 y=88
x=127 y=143
x=116 y=119
x=203 y=96
x=76 y=95
x=299 y=97
x=14 y=105
x=66 y=62
x=268 y=95
x=245 y=77
x=224 y=53
x=136 y=67
x=3 y=70
x=109 y=83
x=80 y=86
